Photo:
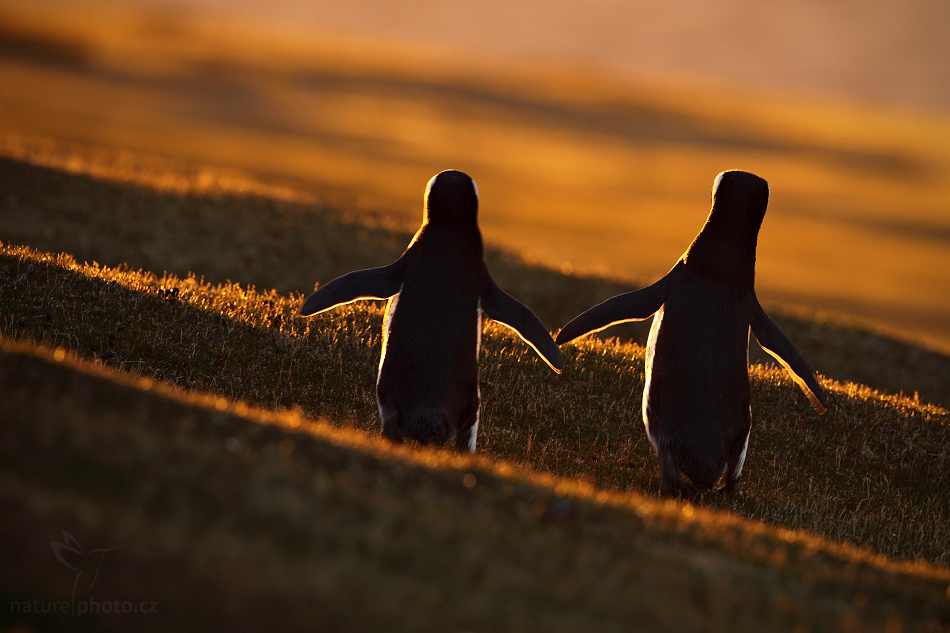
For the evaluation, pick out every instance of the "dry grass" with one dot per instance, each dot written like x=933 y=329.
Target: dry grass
x=283 y=520
x=286 y=531
x=875 y=472
x=121 y=209
x=238 y=518
x=573 y=168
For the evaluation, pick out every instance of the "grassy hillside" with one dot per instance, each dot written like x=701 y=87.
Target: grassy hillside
x=874 y=471
x=233 y=517
x=166 y=398
x=575 y=168
x=162 y=424
x=160 y=216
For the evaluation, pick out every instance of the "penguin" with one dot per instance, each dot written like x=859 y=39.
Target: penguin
x=427 y=385
x=696 y=396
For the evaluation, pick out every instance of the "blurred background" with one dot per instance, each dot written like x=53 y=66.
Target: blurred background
x=593 y=129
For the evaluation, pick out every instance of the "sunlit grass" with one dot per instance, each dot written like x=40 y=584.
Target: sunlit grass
x=314 y=157
x=293 y=521
x=121 y=208
x=613 y=179
x=875 y=472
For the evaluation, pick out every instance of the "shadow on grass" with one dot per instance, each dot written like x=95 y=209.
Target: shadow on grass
x=250 y=520
x=874 y=472
x=289 y=245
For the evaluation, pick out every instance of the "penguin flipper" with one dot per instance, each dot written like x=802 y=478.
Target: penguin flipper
x=631 y=306
x=507 y=310
x=774 y=341
x=372 y=283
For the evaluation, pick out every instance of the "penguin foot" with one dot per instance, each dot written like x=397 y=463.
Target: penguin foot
x=676 y=487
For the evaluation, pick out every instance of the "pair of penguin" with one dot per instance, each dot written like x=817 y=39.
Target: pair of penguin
x=696 y=397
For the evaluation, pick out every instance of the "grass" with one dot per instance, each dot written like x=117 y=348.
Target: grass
x=233 y=516
x=99 y=206
x=874 y=472
x=161 y=420
x=574 y=168
x=165 y=428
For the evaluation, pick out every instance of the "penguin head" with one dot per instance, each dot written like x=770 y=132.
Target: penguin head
x=739 y=201
x=451 y=198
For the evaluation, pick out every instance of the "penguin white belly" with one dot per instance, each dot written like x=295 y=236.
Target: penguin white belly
x=478 y=348
x=648 y=373
x=387 y=414
x=745 y=448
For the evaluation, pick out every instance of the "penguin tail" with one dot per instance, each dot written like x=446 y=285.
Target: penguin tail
x=427 y=426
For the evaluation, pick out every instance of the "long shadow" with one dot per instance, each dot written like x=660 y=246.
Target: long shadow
x=40 y=48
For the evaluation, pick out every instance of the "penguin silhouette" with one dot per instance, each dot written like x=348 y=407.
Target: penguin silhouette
x=696 y=397
x=427 y=386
